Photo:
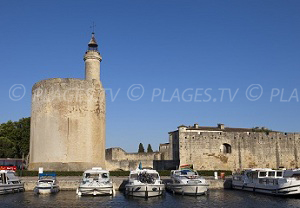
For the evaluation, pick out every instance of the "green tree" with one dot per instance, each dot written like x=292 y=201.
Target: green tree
x=7 y=148
x=15 y=138
x=149 y=148
x=22 y=136
x=141 y=148
x=261 y=129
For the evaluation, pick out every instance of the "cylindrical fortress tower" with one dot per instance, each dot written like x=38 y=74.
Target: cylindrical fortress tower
x=68 y=121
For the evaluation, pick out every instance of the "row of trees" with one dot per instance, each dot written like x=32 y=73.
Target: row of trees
x=15 y=138
x=142 y=150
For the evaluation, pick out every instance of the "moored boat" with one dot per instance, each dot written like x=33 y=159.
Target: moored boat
x=186 y=181
x=9 y=182
x=47 y=184
x=144 y=183
x=95 y=182
x=268 y=181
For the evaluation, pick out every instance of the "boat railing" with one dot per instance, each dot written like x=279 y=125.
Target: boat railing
x=237 y=177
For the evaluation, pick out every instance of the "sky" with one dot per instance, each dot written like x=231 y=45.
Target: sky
x=165 y=63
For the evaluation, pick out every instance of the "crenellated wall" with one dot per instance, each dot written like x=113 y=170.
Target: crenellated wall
x=117 y=158
x=166 y=151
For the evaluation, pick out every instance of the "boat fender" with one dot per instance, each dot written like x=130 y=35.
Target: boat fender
x=146 y=194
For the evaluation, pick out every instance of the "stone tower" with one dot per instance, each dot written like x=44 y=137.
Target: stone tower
x=68 y=119
x=92 y=60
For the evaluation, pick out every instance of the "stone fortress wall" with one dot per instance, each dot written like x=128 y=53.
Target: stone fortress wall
x=118 y=159
x=215 y=148
x=235 y=149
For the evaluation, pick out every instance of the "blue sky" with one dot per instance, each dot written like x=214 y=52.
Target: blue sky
x=168 y=46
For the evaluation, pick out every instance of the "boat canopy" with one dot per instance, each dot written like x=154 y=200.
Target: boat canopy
x=96 y=171
x=47 y=175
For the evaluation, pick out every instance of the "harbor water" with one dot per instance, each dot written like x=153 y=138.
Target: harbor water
x=216 y=198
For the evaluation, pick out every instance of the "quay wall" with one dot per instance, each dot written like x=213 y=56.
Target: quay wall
x=72 y=182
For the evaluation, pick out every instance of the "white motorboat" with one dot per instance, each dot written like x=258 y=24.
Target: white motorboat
x=186 y=181
x=47 y=184
x=144 y=183
x=9 y=182
x=95 y=182
x=268 y=181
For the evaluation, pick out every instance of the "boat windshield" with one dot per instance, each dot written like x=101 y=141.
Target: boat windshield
x=187 y=172
x=93 y=176
x=11 y=175
x=154 y=175
x=134 y=176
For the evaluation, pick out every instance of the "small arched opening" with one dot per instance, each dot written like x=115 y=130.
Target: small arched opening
x=225 y=148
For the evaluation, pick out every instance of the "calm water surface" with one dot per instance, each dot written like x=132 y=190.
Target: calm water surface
x=216 y=198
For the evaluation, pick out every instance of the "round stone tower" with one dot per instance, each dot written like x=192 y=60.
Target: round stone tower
x=68 y=120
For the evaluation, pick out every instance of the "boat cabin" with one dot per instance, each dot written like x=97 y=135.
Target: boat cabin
x=3 y=177
x=7 y=176
x=267 y=176
x=264 y=173
x=135 y=175
x=95 y=174
x=186 y=172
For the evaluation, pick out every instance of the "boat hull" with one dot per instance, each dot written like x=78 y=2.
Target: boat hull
x=94 y=190
x=186 y=189
x=11 y=188
x=283 y=190
x=145 y=190
x=46 y=190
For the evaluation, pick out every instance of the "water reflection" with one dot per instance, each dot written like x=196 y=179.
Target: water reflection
x=216 y=198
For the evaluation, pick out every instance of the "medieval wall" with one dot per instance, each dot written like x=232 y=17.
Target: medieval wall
x=67 y=125
x=117 y=158
x=207 y=150
x=166 y=151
